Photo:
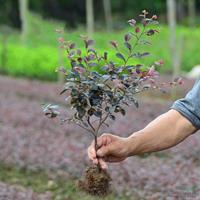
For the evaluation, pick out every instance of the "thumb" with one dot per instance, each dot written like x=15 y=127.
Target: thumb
x=105 y=151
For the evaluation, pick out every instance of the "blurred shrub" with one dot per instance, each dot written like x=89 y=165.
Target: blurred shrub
x=39 y=58
x=32 y=62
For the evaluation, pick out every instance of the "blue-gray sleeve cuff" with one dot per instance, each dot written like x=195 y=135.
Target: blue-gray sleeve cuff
x=187 y=113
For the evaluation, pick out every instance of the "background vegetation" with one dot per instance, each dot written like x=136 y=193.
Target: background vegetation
x=39 y=56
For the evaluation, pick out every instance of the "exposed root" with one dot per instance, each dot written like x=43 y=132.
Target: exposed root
x=95 y=181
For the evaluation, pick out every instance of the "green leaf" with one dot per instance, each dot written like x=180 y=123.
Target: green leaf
x=74 y=92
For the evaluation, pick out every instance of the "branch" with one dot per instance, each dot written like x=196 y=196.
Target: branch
x=93 y=129
x=102 y=121
x=87 y=129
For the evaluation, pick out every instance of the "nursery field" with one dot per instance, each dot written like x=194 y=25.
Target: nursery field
x=42 y=160
x=39 y=57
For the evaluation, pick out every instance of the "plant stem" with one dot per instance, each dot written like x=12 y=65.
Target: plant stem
x=96 y=148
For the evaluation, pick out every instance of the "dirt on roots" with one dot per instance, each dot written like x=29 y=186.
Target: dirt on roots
x=95 y=181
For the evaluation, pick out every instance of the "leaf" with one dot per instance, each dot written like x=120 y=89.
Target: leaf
x=122 y=111
x=92 y=64
x=128 y=45
x=132 y=22
x=72 y=45
x=140 y=55
x=105 y=77
x=123 y=76
x=112 y=109
x=91 y=57
x=51 y=111
x=105 y=55
x=73 y=63
x=78 y=52
x=91 y=50
x=145 y=54
x=95 y=74
x=145 y=42
x=146 y=87
x=109 y=93
x=63 y=91
x=136 y=103
x=150 y=32
x=104 y=68
x=81 y=112
x=74 y=92
x=88 y=43
x=98 y=113
x=112 y=117
x=91 y=111
x=119 y=55
x=114 y=44
x=61 y=69
x=127 y=37
x=107 y=108
x=153 y=22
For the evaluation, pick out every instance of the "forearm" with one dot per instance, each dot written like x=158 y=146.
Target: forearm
x=164 y=132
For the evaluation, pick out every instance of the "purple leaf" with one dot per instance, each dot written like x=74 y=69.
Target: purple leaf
x=114 y=44
x=127 y=37
x=119 y=55
x=132 y=22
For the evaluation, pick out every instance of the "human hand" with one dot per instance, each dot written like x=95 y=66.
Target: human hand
x=111 y=148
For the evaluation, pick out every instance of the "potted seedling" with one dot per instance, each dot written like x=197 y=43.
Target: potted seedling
x=99 y=86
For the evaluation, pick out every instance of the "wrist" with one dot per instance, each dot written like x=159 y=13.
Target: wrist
x=133 y=144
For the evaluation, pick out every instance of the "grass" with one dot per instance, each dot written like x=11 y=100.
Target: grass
x=39 y=57
x=39 y=181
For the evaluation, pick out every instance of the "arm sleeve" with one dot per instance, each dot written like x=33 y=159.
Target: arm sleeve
x=189 y=106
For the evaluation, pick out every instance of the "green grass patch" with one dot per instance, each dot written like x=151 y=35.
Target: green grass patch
x=39 y=181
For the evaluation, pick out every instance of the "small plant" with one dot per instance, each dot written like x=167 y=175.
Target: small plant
x=98 y=88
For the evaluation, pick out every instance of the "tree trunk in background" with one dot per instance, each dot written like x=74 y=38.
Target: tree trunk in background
x=171 y=14
x=108 y=14
x=181 y=10
x=90 y=17
x=191 y=12
x=23 y=7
